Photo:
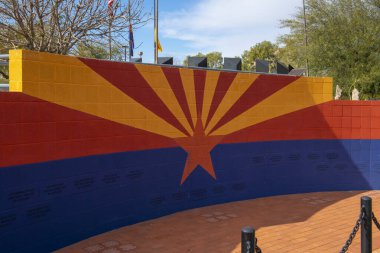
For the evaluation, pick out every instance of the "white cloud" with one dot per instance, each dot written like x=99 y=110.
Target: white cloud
x=229 y=26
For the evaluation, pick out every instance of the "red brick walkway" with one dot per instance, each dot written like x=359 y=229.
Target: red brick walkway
x=315 y=222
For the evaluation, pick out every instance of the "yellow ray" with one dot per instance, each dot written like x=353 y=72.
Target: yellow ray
x=67 y=81
x=155 y=77
x=210 y=86
x=238 y=87
x=296 y=96
x=187 y=77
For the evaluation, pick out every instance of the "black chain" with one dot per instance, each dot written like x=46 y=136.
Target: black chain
x=354 y=231
x=257 y=248
x=375 y=221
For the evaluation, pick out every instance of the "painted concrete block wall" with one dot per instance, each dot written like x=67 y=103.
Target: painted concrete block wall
x=87 y=146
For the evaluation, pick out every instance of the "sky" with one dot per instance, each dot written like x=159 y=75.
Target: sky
x=187 y=27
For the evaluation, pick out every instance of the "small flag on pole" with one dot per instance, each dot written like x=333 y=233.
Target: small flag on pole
x=131 y=40
x=110 y=3
x=159 y=47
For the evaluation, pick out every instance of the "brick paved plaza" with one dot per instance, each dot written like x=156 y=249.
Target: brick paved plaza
x=315 y=222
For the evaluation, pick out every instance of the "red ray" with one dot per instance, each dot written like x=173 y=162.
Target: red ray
x=262 y=87
x=199 y=82
x=33 y=130
x=174 y=78
x=322 y=121
x=224 y=82
x=127 y=78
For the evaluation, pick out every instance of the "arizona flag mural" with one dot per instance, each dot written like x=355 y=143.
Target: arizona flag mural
x=90 y=145
x=195 y=109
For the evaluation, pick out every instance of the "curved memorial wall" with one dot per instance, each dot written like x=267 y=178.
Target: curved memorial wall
x=87 y=146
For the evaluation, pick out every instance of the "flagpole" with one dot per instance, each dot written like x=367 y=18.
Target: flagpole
x=130 y=24
x=110 y=39
x=306 y=38
x=110 y=13
x=155 y=31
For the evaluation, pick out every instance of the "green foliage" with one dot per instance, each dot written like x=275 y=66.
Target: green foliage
x=214 y=59
x=92 y=51
x=263 y=51
x=293 y=50
x=98 y=51
x=344 y=39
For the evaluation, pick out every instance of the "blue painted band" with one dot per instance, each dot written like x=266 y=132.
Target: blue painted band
x=50 y=205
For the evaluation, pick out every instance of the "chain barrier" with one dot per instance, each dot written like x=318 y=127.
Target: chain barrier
x=375 y=221
x=257 y=248
x=352 y=235
x=354 y=231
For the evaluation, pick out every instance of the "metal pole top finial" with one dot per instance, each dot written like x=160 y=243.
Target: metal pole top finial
x=247 y=230
x=366 y=198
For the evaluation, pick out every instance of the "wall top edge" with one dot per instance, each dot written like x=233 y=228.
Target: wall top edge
x=37 y=56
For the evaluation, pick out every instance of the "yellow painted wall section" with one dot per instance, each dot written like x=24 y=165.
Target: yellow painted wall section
x=66 y=81
x=240 y=85
x=302 y=93
x=212 y=78
x=155 y=77
x=187 y=77
x=15 y=70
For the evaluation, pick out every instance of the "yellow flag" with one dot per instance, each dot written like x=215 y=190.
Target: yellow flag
x=159 y=48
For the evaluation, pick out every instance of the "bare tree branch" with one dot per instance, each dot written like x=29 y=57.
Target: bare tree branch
x=3 y=75
x=57 y=26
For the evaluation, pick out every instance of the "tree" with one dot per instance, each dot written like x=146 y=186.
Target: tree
x=4 y=75
x=57 y=26
x=214 y=59
x=344 y=39
x=98 y=51
x=264 y=51
x=293 y=50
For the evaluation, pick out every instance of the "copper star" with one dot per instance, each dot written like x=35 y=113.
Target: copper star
x=198 y=148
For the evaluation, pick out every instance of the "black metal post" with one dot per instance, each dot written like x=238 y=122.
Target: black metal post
x=125 y=53
x=248 y=240
x=366 y=227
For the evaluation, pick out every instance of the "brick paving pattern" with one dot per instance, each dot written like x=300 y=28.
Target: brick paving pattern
x=302 y=223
